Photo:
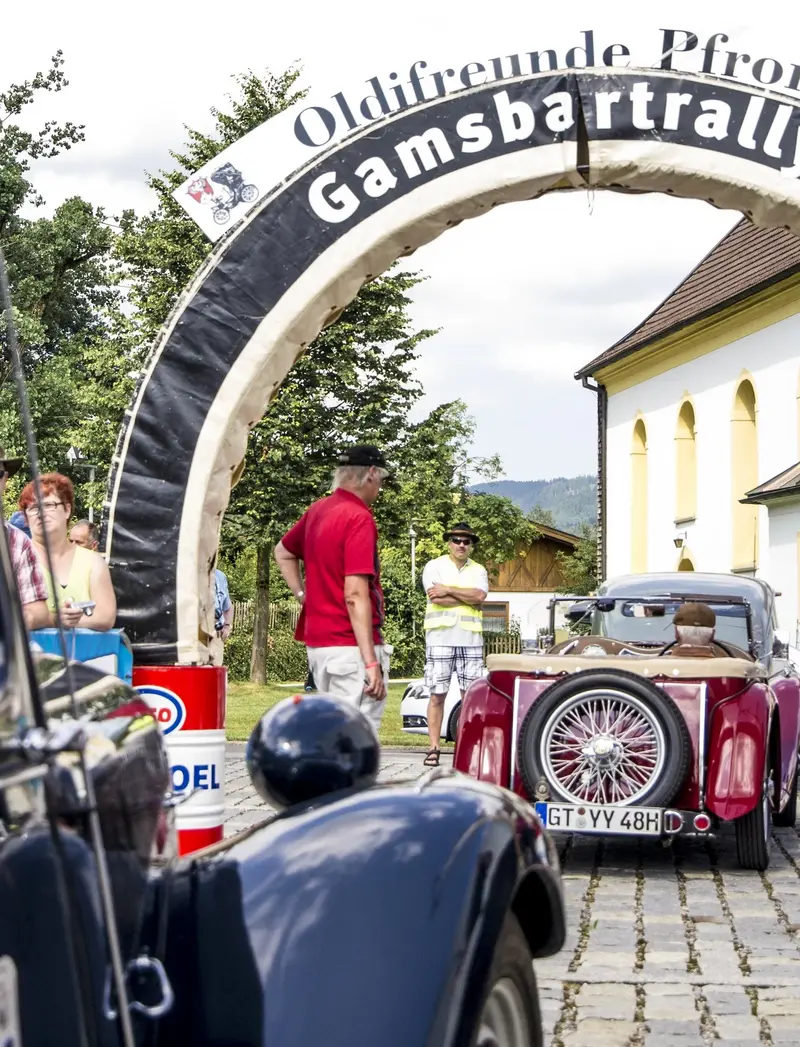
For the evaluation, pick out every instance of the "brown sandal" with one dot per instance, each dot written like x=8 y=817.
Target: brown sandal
x=432 y=758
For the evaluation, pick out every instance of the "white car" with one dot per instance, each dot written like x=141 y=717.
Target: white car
x=414 y=708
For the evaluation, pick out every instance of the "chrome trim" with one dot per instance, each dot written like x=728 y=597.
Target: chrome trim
x=701 y=746
x=138 y=965
x=514 y=729
x=676 y=814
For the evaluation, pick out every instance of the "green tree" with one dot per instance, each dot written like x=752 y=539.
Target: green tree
x=353 y=384
x=505 y=532
x=63 y=284
x=20 y=147
x=579 y=568
x=430 y=492
x=163 y=249
x=434 y=464
x=542 y=516
x=78 y=348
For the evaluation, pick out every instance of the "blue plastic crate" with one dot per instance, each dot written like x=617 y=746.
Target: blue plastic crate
x=109 y=651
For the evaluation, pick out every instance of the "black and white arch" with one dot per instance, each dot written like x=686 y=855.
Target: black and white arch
x=304 y=251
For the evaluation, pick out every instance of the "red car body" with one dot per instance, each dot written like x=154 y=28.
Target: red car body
x=741 y=717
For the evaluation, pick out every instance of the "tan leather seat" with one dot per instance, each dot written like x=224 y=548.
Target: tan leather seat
x=689 y=650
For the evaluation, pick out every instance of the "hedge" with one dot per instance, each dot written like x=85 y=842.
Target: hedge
x=287 y=661
x=286 y=658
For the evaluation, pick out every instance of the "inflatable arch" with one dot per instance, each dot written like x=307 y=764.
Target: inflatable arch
x=302 y=253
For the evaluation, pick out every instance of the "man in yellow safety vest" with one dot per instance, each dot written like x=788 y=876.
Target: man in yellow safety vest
x=456 y=587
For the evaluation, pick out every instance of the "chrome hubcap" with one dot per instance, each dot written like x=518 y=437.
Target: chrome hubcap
x=504 y=1022
x=603 y=750
x=602 y=747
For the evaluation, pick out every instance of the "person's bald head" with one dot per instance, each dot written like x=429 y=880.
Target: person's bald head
x=86 y=534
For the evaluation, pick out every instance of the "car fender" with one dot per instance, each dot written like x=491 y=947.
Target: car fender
x=374 y=919
x=787 y=694
x=738 y=747
x=483 y=746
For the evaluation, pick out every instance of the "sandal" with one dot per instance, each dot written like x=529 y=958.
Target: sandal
x=432 y=758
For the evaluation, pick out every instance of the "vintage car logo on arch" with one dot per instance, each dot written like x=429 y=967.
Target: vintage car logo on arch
x=168 y=708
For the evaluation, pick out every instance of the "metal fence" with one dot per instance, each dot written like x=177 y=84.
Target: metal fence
x=284 y=614
x=281 y=613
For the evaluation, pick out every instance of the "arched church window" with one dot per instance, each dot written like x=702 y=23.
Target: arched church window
x=744 y=477
x=685 y=465
x=639 y=498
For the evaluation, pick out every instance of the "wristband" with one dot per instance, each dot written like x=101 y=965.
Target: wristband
x=371 y=665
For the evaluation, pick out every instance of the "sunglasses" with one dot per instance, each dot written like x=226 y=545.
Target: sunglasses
x=461 y=541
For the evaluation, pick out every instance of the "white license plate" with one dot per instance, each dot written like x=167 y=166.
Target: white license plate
x=586 y=818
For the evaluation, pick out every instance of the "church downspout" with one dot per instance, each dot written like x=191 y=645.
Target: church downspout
x=602 y=412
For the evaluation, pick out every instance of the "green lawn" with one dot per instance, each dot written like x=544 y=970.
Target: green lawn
x=248 y=701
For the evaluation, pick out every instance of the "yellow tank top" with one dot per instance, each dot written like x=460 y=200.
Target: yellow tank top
x=77 y=587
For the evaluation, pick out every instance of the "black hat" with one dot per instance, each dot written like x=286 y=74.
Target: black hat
x=11 y=466
x=461 y=530
x=362 y=454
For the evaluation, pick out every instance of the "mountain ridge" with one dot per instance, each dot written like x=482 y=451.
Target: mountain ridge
x=572 y=500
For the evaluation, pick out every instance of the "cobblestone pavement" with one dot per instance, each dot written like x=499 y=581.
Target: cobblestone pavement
x=244 y=808
x=666 y=947
x=675 y=946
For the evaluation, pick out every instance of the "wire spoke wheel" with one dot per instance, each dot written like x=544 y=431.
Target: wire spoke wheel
x=504 y=1022
x=602 y=747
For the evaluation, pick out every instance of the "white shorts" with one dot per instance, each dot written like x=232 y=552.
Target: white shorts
x=340 y=672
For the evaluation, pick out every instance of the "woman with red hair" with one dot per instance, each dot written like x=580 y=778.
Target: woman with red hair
x=81 y=575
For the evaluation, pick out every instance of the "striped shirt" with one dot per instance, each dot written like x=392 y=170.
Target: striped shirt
x=27 y=570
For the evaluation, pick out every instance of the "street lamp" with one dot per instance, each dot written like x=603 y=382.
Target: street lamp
x=77 y=458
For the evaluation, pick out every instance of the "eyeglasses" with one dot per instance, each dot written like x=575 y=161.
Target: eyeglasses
x=461 y=541
x=49 y=507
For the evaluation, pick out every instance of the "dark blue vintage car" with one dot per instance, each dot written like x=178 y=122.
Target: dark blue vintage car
x=358 y=915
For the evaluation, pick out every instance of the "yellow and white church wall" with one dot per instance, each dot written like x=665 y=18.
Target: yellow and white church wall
x=695 y=421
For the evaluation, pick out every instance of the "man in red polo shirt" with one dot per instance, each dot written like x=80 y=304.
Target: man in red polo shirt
x=342 y=602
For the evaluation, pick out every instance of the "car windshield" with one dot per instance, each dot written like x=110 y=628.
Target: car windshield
x=649 y=622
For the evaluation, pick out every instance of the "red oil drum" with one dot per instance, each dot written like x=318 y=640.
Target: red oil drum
x=189 y=702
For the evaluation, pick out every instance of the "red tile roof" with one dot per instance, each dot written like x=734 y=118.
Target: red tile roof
x=746 y=260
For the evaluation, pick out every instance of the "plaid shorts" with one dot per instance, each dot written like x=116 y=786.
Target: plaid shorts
x=442 y=662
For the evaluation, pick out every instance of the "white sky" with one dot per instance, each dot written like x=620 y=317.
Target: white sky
x=523 y=295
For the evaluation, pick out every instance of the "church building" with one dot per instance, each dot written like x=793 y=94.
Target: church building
x=699 y=423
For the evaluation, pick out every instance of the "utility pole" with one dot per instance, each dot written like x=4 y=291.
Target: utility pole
x=91 y=493
x=77 y=458
x=412 y=534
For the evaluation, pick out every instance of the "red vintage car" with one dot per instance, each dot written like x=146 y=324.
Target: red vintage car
x=616 y=731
